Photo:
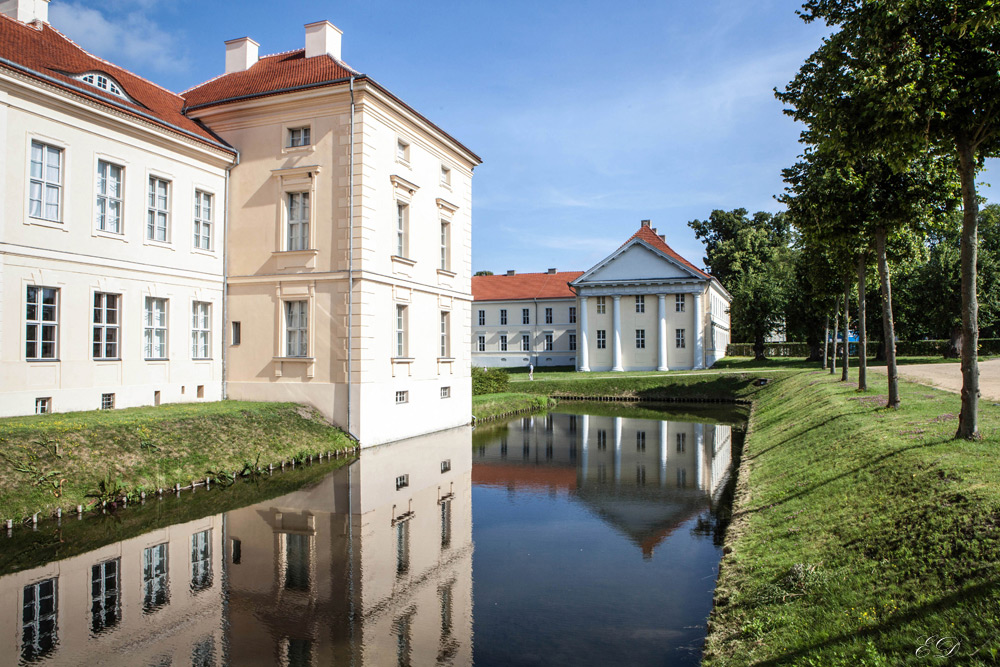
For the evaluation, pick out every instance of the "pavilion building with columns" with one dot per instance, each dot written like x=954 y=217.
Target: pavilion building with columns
x=644 y=307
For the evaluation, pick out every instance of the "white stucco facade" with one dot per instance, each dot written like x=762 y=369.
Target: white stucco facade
x=504 y=335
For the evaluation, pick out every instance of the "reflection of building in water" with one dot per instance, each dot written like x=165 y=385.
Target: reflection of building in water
x=644 y=476
x=373 y=565
x=149 y=600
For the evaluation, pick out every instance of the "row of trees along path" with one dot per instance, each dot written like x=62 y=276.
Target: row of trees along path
x=900 y=108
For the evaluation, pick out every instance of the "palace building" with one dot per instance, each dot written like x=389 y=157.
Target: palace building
x=288 y=231
x=643 y=307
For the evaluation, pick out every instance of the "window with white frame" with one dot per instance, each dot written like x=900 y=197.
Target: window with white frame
x=402 y=151
x=503 y=342
x=503 y=316
x=402 y=344
x=572 y=342
x=445 y=176
x=572 y=314
x=298 y=136
x=602 y=305
x=41 y=323
x=640 y=304
x=298 y=221
x=640 y=339
x=158 y=213
x=481 y=343
x=39 y=630
x=525 y=343
x=445 y=393
x=43 y=406
x=105 y=595
x=445 y=334
x=445 y=246
x=104 y=82
x=548 y=342
x=154 y=578
x=107 y=401
x=45 y=186
x=602 y=339
x=109 y=197
x=201 y=330
x=106 y=322
x=482 y=318
x=679 y=338
x=402 y=397
x=155 y=331
x=525 y=316
x=296 y=328
x=679 y=303
x=548 y=316
x=201 y=560
x=202 y=220
x=402 y=226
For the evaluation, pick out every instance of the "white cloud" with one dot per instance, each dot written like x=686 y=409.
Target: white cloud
x=130 y=38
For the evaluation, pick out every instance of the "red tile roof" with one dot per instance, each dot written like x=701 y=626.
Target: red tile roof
x=268 y=76
x=41 y=52
x=524 y=286
x=652 y=238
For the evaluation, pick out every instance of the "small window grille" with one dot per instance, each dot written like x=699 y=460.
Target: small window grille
x=107 y=401
x=445 y=392
x=402 y=482
x=43 y=406
x=402 y=396
x=445 y=465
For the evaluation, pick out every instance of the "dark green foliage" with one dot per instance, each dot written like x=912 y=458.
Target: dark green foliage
x=489 y=380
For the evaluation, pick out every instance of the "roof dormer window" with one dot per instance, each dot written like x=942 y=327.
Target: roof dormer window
x=104 y=82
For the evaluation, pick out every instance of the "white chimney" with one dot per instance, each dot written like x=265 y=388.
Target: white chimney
x=241 y=54
x=26 y=11
x=323 y=38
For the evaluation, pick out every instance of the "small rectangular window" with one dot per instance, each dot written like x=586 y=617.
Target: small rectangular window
x=445 y=176
x=107 y=401
x=503 y=342
x=156 y=594
x=445 y=392
x=401 y=338
x=237 y=551
x=640 y=441
x=572 y=314
x=503 y=316
x=43 y=406
x=640 y=339
x=525 y=343
x=402 y=482
x=679 y=338
x=39 y=620
x=525 y=316
x=445 y=246
x=572 y=342
x=402 y=397
x=41 y=322
x=402 y=223
x=45 y=187
x=548 y=316
x=602 y=305
x=402 y=151
x=481 y=344
x=640 y=304
x=201 y=330
x=445 y=335
x=109 y=197
x=236 y=333
x=548 y=342
x=201 y=560
x=202 y=220
x=482 y=318
x=602 y=340
x=105 y=594
x=681 y=442
x=298 y=136
x=158 y=211
x=298 y=221
x=679 y=303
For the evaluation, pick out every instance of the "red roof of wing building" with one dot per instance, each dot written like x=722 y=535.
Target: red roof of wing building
x=524 y=286
x=647 y=234
x=39 y=51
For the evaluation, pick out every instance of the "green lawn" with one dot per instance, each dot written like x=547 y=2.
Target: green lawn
x=491 y=406
x=68 y=459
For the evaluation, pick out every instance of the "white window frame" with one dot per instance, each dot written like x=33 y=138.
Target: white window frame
x=525 y=343
x=445 y=245
x=298 y=210
x=402 y=151
x=445 y=334
x=482 y=318
x=296 y=321
x=43 y=405
x=445 y=393
x=503 y=316
x=105 y=333
x=44 y=183
x=481 y=343
x=503 y=342
x=43 y=320
x=679 y=303
x=602 y=339
x=572 y=314
x=401 y=338
x=104 y=82
x=402 y=245
x=572 y=342
x=640 y=303
x=201 y=330
x=602 y=305
x=109 y=204
x=157 y=209
x=679 y=341
x=640 y=339
x=549 y=342
x=548 y=316
x=299 y=136
x=446 y=176
x=526 y=316
x=156 y=324
x=203 y=225
x=402 y=397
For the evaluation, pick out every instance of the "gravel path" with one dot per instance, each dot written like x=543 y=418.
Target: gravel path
x=949 y=376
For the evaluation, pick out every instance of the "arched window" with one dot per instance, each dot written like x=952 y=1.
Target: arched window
x=104 y=82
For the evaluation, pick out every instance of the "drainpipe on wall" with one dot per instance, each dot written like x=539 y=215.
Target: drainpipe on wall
x=225 y=282
x=350 y=265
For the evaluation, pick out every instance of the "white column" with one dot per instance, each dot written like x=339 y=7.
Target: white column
x=699 y=353
x=583 y=343
x=618 y=450
x=664 y=436
x=616 y=333
x=661 y=335
x=699 y=454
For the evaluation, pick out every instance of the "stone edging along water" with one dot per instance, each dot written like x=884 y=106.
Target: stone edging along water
x=121 y=502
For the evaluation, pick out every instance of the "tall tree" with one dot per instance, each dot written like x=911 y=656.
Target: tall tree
x=751 y=257
x=903 y=77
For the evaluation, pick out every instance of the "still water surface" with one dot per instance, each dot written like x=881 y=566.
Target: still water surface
x=571 y=539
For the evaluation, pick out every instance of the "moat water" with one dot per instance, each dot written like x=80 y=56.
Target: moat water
x=588 y=536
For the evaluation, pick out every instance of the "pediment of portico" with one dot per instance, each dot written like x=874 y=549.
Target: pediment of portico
x=636 y=263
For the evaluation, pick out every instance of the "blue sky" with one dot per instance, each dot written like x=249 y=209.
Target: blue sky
x=590 y=116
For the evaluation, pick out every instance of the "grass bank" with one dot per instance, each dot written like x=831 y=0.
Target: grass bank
x=688 y=386
x=491 y=406
x=70 y=459
x=860 y=536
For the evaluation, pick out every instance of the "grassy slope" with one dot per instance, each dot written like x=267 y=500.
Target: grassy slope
x=859 y=532
x=146 y=448
x=488 y=406
x=650 y=386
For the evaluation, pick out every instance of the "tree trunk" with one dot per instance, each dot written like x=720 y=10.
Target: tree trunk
x=968 y=420
x=836 y=325
x=862 y=332
x=846 y=365
x=888 y=324
x=826 y=338
x=758 y=347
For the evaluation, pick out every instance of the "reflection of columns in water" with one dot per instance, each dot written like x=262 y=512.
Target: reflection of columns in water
x=618 y=450
x=584 y=432
x=663 y=453
x=699 y=453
